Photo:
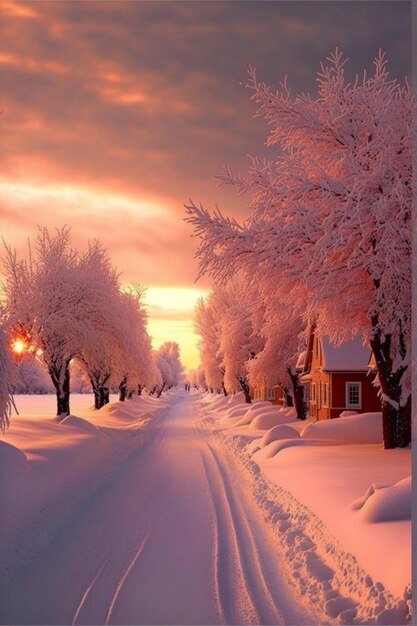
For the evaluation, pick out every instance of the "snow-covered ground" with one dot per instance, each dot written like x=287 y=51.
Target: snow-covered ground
x=165 y=511
x=172 y=535
x=45 y=404
x=332 y=483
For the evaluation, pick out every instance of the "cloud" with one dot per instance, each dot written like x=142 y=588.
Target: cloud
x=116 y=113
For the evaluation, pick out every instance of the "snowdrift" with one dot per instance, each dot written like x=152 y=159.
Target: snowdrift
x=50 y=468
x=386 y=503
x=282 y=431
x=269 y=419
x=360 y=428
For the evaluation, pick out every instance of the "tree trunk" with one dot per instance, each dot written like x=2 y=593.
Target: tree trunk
x=396 y=413
x=129 y=394
x=139 y=390
x=123 y=390
x=105 y=395
x=96 y=392
x=101 y=392
x=60 y=377
x=288 y=399
x=224 y=389
x=298 y=391
x=159 y=393
x=246 y=390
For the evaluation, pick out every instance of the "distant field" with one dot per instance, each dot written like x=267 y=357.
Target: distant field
x=33 y=404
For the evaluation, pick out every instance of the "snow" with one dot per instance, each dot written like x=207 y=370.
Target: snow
x=299 y=366
x=359 y=428
x=159 y=510
x=48 y=468
x=268 y=419
x=386 y=503
x=282 y=431
x=173 y=536
x=351 y=355
x=341 y=507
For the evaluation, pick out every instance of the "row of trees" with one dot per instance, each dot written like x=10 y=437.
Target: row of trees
x=249 y=338
x=330 y=228
x=67 y=305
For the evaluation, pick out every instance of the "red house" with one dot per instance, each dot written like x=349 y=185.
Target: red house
x=273 y=394
x=338 y=378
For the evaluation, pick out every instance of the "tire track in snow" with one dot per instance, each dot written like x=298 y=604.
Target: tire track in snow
x=255 y=569
x=124 y=577
x=237 y=563
x=234 y=597
x=86 y=595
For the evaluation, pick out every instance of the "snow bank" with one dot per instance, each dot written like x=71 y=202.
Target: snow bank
x=50 y=468
x=359 y=573
x=310 y=479
x=253 y=412
x=386 y=503
x=282 y=431
x=360 y=428
x=269 y=419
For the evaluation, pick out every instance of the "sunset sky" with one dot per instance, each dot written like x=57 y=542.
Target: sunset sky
x=114 y=114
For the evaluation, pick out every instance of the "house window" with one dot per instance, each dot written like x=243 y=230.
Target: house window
x=325 y=391
x=313 y=392
x=353 y=395
x=271 y=394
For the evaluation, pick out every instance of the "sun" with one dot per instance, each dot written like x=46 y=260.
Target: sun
x=19 y=346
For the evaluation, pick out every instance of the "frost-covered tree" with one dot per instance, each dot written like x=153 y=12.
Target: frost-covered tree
x=332 y=217
x=229 y=329
x=31 y=376
x=101 y=354
x=137 y=369
x=44 y=297
x=280 y=328
x=7 y=378
x=205 y=322
x=70 y=305
x=167 y=360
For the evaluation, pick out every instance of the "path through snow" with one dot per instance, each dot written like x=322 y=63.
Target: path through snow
x=173 y=538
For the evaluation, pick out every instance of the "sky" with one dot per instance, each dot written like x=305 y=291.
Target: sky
x=115 y=114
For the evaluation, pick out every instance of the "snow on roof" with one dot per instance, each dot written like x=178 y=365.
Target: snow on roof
x=301 y=360
x=350 y=356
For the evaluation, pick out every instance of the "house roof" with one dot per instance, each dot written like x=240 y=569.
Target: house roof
x=299 y=366
x=350 y=356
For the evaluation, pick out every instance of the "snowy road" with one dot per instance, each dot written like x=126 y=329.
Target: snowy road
x=172 y=538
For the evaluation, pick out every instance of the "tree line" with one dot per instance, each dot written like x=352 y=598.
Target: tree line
x=328 y=240
x=68 y=305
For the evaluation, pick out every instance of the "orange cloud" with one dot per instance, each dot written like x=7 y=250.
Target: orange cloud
x=18 y=9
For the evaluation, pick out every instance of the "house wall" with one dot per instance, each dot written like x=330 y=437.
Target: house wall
x=318 y=409
x=274 y=395
x=328 y=402
x=369 y=398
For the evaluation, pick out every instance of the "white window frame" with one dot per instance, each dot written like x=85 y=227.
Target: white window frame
x=326 y=397
x=313 y=397
x=270 y=393
x=358 y=384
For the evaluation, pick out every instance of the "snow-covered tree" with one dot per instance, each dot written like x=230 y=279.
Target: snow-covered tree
x=228 y=336
x=7 y=378
x=31 y=375
x=43 y=297
x=332 y=217
x=167 y=360
x=136 y=366
x=71 y=306
x=280 y=328
x=205 y=321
